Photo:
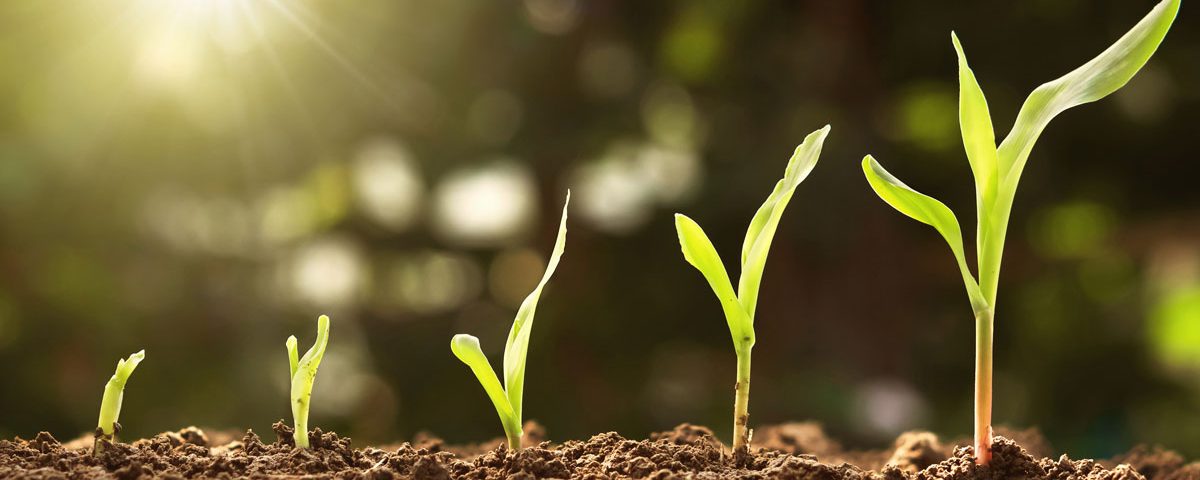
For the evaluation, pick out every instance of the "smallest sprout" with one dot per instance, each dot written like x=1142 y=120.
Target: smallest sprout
x=303 y=372
x=110 y=406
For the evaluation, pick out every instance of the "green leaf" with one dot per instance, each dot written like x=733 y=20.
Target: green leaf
x=976 y=124
x=927 y=210
x=304 y=373
x=979 y=140
x=114 y=392
x=293 y=357
x=1094 y=80
x=699 y=251
x=466 y=348
x=126 y=367
x=312 y=358
x=518 y=338
x=762 y=227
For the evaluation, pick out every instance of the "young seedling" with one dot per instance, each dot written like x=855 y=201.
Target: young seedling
x=507 y=398
x=739 y=307
x=303 y=373
x=110 y=406
x=998 y=169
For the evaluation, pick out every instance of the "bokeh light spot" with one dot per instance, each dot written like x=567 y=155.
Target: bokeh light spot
x=430 y=282
x=486 y=206
x=670 y=116
x=1072 y=230
x=328 y=272
x=1175 y=327
x=554 y=17
x=928 y=116
x=387 y=184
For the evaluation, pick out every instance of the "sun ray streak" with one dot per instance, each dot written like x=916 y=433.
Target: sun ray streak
x=277 y=67
x=332 y=52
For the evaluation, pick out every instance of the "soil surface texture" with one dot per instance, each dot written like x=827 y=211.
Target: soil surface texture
x=789 y=451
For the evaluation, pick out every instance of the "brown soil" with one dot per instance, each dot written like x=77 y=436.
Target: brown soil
x=790 y=451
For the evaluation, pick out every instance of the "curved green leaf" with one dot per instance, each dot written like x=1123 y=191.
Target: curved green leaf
x=927 y=210
x=1096 y=79
x=466 y=348
x=975 y=121
x=312 y=358
x=126 y=367
x=762 y=227
x=518 y=337
x=698 y=250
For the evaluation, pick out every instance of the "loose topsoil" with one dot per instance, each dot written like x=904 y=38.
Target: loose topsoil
x=791 y=451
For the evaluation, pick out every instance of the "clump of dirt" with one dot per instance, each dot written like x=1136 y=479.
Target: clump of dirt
x=791 y=451
x=1157 y=463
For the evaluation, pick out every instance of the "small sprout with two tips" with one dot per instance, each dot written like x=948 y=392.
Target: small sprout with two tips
x=739 y=306
x=110 y=406
x=507 y=398
x=997 y=171
x=303 y=373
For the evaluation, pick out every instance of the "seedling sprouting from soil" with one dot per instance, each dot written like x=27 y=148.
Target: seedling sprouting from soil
x=110 y=406
x=739 y=306
x=507 y=398
x=998 y=169
x=303 y=373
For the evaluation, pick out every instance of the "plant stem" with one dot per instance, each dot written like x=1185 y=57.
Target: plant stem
x=741 y=402
x=983 y=386
x=514 y=439
x=512 y=431
x=300 y=418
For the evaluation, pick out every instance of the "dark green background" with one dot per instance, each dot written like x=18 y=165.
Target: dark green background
x=166 y=166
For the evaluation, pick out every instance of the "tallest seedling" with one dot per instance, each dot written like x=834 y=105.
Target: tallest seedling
x=997 y=171
x=739 y=306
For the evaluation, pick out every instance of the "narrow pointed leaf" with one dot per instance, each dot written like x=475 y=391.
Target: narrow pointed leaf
x=518 y=338
x=1096 y=79
x=927 y=210
x=466 y=348
x=975 y=121
x=979 y=140
x=762 y=227
x=698 y=250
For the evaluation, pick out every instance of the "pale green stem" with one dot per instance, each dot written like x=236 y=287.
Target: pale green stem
x=512 y=430
x=741 y=401
x=983 y=386
x=300 y=417
x=110 y=405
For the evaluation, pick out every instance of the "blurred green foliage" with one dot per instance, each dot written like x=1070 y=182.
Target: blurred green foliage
x=201 y=177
